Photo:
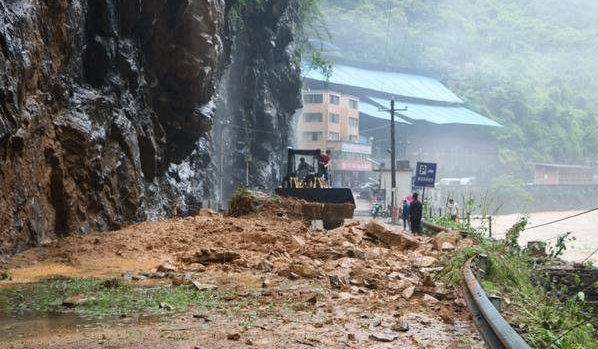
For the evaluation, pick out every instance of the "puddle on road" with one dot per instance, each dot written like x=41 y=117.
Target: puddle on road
x=43 y=324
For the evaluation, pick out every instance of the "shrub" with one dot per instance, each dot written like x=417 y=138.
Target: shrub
x=241 y=203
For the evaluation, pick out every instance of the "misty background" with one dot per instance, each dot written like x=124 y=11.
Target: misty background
x=530 y=65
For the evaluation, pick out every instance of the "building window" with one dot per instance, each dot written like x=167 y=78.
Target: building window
x=313 y=99
x=335 y=118
x=353 y=104
x=313 y=117
x=353 y=122
x=312 y=136
x=334 y=136
x=335 y=100
x=353 y=138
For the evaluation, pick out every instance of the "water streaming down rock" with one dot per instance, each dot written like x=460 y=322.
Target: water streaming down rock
x=258 y=97
x=106 y=108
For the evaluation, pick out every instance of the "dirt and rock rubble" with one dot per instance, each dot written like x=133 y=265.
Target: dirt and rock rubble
x=364 y=283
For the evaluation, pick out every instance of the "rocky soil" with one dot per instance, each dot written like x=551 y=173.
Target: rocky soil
x=361 y=285
x=107 y=107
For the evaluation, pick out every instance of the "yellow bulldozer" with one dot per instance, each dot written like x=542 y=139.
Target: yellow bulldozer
x=304 y=182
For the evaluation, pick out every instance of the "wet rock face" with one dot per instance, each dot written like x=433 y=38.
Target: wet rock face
x=105 y=108
x=261 y=95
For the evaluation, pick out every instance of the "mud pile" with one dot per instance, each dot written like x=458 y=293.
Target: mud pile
x=272 y=243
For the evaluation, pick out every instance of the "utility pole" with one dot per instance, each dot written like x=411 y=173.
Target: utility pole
x=393 y=153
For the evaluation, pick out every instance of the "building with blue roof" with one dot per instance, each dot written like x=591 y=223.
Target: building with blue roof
x=433 y=125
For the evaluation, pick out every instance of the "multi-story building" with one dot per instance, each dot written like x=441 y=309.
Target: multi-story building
x=432 y=124
x=330 y=120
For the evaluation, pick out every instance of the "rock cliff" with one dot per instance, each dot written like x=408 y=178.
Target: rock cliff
x=107 y=107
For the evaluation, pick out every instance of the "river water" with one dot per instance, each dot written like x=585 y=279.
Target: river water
x=584 y=228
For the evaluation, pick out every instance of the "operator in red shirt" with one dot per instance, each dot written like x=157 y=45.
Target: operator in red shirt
x=324 y=165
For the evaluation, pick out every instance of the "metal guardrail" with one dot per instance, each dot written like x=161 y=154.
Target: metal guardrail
x=495 y=330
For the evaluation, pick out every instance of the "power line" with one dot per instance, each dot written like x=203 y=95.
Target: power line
x=590 y=256
x=561 y=219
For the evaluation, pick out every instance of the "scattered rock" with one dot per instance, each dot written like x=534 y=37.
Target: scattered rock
x=265 y=283
x=5 y=275
x=265 y=265
x=446 y=237
x=111 y=283
x=351 y=337
x=297 y=242
x=401 y=326
x=312 y=299
x=408 y=292
x=203 y=287
x=428 y=300
x=207 y=256
x=376 y=322
x=233 y=336
x=380 y=337
x=197 y=267
x=352 y=224
x=203 y=317
x=127 y=275
x=428 y=282
x=447 y=246
x=139 y=277
x=400 y=240
x=181 y=281
x=460 y=302
x=447 y=315
x=424 y=261
x=335 y=282
x=465 y=243
x=165 y=306
x=248 y=341
x=166 y=268
x=77 y=300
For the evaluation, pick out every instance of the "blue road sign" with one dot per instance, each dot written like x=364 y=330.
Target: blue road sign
x=425 y=175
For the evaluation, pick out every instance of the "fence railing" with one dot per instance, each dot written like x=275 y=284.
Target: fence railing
x=468 y=218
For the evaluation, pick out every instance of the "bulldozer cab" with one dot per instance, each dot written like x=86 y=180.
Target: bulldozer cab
x=302 y=169
x=302 y=162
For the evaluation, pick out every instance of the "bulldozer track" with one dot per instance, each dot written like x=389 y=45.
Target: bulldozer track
x=495 y=330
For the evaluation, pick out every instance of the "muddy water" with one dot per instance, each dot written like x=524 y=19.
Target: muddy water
x=584 y=228
x=31 y=325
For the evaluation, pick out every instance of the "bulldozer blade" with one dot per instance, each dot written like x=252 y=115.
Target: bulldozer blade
x=320 y=195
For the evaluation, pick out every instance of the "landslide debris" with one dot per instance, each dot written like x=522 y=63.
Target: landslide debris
x=271 y=241
x=354 y=281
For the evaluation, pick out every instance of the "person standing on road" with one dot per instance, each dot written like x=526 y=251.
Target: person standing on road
x=452 y=209
x=405 y=214
x=415 y=215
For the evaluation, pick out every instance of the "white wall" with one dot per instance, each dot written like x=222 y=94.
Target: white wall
x=403 y=179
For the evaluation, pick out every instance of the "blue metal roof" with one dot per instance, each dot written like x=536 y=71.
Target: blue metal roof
x=397 y=84
x=373 y=111
x=438 y=114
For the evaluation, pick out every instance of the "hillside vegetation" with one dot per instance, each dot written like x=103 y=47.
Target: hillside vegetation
x=531 y=65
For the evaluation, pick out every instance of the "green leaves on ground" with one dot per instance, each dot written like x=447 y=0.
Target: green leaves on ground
x=111 y=298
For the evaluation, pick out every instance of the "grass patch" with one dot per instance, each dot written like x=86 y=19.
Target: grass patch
x=111 y=298
x=544 y=319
